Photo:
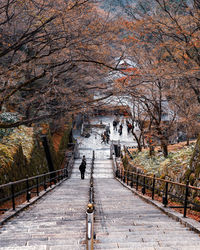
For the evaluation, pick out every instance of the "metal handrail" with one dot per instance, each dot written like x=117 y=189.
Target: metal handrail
x=90 y=211
x=30 y=178
x=161 y=186
x=33 y=184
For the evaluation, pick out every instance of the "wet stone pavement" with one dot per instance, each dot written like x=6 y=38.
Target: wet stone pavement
x=122 y=220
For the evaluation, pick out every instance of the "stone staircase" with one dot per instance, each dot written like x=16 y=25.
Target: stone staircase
x=124 y=221
x=103 y=169
x=56 y=222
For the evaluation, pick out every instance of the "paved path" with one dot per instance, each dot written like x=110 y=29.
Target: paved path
x=123 y=221
x=55 y=222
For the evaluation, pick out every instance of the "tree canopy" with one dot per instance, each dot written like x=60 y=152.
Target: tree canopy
x=53 y=55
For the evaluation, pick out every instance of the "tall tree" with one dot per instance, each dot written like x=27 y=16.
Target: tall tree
x=52 y=55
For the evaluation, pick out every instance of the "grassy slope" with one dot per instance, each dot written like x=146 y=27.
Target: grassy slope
x=175 y=166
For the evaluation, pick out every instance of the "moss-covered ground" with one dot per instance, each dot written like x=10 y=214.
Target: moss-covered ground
x=175 y=166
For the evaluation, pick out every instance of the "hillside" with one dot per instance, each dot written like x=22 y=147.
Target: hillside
x=176 y=167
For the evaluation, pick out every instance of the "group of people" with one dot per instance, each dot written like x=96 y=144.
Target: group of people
x=105 y=136
x=115 y=124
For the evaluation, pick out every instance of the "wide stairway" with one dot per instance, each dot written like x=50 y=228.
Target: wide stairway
x=55 y=222
x=124 y=221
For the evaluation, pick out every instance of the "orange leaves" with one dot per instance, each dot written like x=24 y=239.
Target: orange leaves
x=129 y=39
x=130 y=70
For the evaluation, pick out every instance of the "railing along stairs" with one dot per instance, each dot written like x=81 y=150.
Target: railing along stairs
x=90 y=211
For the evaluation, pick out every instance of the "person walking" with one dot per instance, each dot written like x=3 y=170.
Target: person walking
x=115 y=125
x=84 y=160
x=129 y=127
x=108 y=129
x=120 y=129
x=82 y=167
x=107 y=137
x=103 y=137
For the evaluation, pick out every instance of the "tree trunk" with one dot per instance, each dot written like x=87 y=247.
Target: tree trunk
x=165 y=150
x=139 y=146
x=188 y=138
x=188 y=141
x=164 y=147
x=151 y=150
x=138 y=140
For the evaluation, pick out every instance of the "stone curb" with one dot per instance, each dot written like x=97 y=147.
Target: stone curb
x=11 y=213
x=188 y=222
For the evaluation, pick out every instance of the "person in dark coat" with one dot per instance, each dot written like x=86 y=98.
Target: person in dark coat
x=82 y=167
x=120 y=129
x=129 y=127
x=84 y=160
x=115 y=125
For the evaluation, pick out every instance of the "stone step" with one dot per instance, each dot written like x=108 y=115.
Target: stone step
x=122 y=220
x=162 y=239
x=140 y=230
x=122 y=217
x=45 y=247
x=56 y=221
x=113 y=247
x=145 y=245
x=102 y=163
x=151 y=233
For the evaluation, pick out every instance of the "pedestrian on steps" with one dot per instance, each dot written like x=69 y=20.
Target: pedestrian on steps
x=103 y=137
x=108 y=128
x=120 y=129
x=115 y=125
x=82 y=167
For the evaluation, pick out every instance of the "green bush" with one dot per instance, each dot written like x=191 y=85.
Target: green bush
x=7 y=117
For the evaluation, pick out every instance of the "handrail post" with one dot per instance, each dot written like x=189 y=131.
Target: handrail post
x=165 y=200
x=127 y=177
x=37 y=186
x=55 y=178
x=67 y=173
x=13 y=196
x=63 y=173
x=137 y=179
x=58 y=176
x=28 y=193
x=45 y=186
x=132 y=180
x=143 y=188
x=153 y=187
x=50 y=185
x=186 y=198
